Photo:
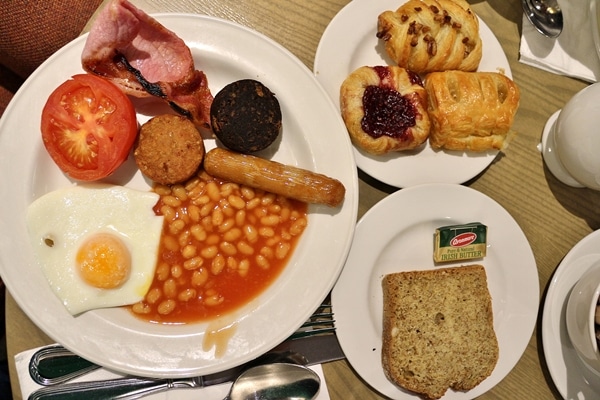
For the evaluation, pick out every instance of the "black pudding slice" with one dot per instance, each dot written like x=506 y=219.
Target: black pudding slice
x=245 y=116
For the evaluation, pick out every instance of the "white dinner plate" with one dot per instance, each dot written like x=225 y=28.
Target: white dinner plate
x=348 y=43
x=397 y=235
x=113 y=337
x=572 y=379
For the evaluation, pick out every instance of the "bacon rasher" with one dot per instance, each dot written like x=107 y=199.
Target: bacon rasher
x=133 y=50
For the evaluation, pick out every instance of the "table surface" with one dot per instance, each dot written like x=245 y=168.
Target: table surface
x=553 y=216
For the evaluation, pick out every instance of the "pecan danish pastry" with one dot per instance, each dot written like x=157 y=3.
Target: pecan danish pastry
x=432 y=35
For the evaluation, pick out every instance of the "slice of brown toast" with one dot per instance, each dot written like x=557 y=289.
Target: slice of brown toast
x=438 y=330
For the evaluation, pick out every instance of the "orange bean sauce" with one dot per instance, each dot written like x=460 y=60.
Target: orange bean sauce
x=222 y=245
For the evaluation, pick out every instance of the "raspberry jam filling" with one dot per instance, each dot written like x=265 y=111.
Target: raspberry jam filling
x=387 y=113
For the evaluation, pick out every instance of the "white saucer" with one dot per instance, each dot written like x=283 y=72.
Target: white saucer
x=572 y=379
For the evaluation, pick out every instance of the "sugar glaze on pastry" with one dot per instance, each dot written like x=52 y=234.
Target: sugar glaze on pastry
x=384 y=109
x=471 y=110
x=432 y=35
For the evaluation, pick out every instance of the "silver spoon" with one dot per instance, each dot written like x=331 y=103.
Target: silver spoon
x=545 y=16
x=277 y=381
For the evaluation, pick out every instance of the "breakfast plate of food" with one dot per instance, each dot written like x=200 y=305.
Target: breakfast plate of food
x=403 y=248
x=50 y=208
x=571 y=377
x=350 y=42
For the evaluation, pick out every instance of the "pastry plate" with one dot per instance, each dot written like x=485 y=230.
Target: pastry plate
x=397 y=235
x=572 y=379
x=349 y=42
x=114 y=338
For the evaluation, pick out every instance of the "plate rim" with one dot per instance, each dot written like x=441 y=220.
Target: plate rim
x=373 y=343
x=348 y=210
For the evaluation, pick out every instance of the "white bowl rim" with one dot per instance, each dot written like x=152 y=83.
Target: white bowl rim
x=592 y=320
x=593 y=363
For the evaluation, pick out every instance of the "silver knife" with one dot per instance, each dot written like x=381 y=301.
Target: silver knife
x=308 y=350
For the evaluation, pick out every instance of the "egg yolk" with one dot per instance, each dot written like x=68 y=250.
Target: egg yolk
x=104 y=261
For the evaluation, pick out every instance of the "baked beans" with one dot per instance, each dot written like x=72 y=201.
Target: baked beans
x=221 y=245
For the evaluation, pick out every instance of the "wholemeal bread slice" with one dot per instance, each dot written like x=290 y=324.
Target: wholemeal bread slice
x=438 y=329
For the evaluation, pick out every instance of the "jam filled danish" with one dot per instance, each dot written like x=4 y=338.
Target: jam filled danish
x=385 y=109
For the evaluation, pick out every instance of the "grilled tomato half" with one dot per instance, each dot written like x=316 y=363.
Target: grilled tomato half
x=88 y=127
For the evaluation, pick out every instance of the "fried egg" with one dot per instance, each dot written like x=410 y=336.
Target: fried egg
x=97 y=245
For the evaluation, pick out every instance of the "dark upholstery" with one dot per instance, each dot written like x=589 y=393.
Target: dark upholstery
x=31 y=31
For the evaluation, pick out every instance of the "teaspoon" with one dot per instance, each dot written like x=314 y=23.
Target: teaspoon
x=545 y=16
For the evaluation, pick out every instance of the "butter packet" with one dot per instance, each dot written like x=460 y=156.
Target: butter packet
x=460 y=242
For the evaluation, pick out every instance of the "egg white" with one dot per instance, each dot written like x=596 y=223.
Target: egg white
x=66 y=217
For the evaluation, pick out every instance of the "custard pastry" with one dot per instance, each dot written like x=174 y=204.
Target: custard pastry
x=432 y=35
x=385 y=109
x=471 y=110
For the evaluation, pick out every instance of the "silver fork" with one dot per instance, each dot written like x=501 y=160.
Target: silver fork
x=320 y=322
x=54 y=364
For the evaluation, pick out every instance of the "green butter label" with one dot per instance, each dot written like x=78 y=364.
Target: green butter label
x=460 y=242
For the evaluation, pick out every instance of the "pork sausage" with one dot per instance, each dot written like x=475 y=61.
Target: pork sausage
x=274 y=177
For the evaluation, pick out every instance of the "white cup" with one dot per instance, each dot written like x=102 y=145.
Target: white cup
x=571 y=140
